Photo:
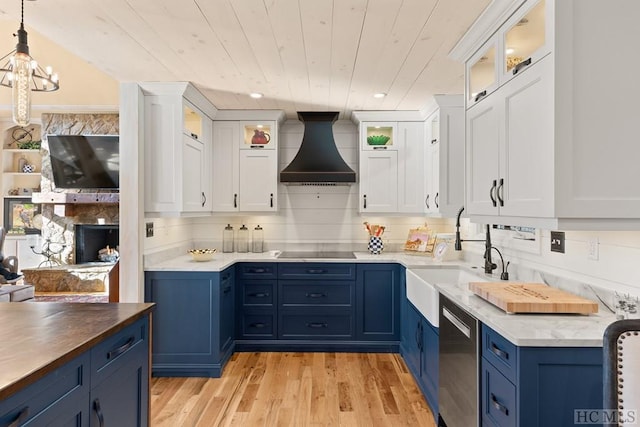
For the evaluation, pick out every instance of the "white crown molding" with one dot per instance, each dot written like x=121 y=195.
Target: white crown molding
x=67 y=108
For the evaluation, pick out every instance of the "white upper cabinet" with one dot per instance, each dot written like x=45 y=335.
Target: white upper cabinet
x=177 y=150
x=379 y=182
x=245 y=161
x=378 y=136
x=482 y=72
x=411 y=145
x=444 y=157
x=555 y=146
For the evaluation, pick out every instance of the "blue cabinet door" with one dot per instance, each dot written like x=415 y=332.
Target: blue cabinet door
x=413 y=344
x=186 y=323
x=227 y=311
x=378 y=302
x=430 y=364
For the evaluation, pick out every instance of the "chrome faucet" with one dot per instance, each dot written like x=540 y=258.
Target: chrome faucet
x=489 y=266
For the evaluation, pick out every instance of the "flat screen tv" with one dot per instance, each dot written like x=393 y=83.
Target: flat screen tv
x=85 y=161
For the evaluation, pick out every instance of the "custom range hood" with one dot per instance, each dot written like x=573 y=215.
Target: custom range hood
x=318 y=160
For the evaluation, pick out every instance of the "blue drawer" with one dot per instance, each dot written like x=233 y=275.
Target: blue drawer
x=257 y=326
x=257 y=270
x=498 y=398
x=258 y=293
x=500 y=352
x=316 y=324
x=117 y=350
x=317 y=271
x=316 y=293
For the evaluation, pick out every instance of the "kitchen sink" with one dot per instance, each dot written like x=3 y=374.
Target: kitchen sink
x=422 y=292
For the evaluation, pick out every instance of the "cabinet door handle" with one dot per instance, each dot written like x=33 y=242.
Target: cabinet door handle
x=433 y=141
x=204 y=199
x=271 y=200
x=258 y=325
x=365 y=201
x=426 y=201
x=500 y=192
x=317 y=325
x=257 y=146
x=98 y=410
x=22 y=416
x=118 y=351
x=194 y=135
x=419 y=335
x=492 y=193
x=235 y=200
x=257 y=270
x=380 y=148
x=435 y=200
x=315 y=295
x=521 y=65
x=315 y=271
x=259 y=295
x=498 y=352
x=480 y=95
x=500 y=407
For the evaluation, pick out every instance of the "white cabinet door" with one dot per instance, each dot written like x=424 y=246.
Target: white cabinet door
x=410 y=145
x=258 y=180
x=432 y=165
x=527 y=154
x=378 y=182
x=450 y=151
x=482 y=154
x=226 y=173
x=194 y=198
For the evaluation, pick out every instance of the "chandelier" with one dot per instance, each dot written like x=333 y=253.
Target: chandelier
x=23 y=75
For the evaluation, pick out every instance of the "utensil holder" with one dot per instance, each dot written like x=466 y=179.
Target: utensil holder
x=375 y=245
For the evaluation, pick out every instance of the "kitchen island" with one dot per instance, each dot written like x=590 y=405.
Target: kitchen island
x=63 y=361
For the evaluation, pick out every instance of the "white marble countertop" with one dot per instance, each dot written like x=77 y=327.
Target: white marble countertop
x=531 y=330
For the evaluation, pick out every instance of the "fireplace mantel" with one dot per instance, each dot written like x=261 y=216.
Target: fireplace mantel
x=63 y=198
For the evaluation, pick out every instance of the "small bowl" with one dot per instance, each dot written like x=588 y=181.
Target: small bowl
x=377 y=139
x=201 y=255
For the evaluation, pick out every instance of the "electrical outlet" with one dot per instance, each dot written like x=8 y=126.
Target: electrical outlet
x=149 y=229
x=557 y=241
x=593 y=246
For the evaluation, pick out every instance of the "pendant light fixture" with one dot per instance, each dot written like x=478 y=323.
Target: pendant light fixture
x=23 y=74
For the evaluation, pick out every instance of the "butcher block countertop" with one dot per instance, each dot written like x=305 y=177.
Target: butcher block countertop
x=38 y=337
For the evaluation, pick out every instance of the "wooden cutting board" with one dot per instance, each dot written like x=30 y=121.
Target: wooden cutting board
x=518 y=297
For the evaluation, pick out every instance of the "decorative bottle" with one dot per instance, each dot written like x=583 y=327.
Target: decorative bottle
x=242 y=241
x=257 y=240
x=227 y=239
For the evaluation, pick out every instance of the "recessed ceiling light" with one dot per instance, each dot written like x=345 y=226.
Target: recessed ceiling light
x=255 y=95
x=509 y=50
x=379 y=95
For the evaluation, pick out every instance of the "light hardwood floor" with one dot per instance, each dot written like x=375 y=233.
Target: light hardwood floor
x=295 y=389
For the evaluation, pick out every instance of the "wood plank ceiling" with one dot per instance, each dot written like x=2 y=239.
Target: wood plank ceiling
x=301 y=54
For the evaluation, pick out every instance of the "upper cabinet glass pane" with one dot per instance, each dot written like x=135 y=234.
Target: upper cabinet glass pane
x=525 y=37
x=192 y=122
x=378 y=136
x=482 y=74
x=257 y=135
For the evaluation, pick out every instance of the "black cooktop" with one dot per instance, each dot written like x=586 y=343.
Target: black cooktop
x=307 y=254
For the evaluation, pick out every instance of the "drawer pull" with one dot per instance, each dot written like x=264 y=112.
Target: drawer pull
x=500 y=407
x=22 y=416
x=480 y=96
x=521 y=65
x=257 y=325
x=257 y=270
x=118 y=351
x=226 y=290
x=98 y=410
x=317 y=325
x=259 y=295
x=316 y=295
x=500 y=353
x=316 y=271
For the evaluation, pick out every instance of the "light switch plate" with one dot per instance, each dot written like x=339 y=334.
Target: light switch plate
x=149 y=227
x=557 y=241
x=593 y=246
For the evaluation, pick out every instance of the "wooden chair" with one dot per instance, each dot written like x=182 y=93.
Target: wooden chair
x=10 y=262
x=621 y=368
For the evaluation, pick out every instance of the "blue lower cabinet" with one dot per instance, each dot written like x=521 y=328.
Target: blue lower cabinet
x=378 y=302
x=419 y=348
x=193 y=322
x=537 y=386
x=316 y=323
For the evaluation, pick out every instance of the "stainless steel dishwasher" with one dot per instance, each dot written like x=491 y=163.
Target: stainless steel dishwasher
x=459 y=360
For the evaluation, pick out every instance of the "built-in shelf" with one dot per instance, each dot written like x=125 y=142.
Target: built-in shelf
x=61 y=198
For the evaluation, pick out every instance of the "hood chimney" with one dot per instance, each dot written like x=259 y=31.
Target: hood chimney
x=318 y=160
